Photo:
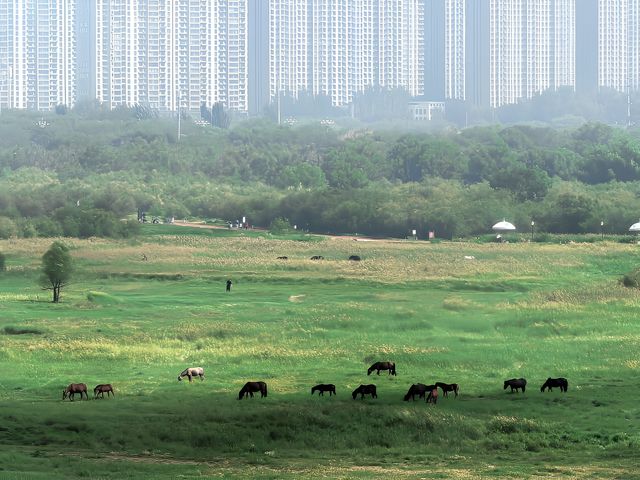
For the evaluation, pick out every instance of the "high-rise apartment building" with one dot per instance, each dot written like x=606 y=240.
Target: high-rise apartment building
x=454 y=49
x=338 y=48
x=258 y=30
x=289 y=53
x=496 y=52
x=171 y=54
x=36 y=53
x=619 y=44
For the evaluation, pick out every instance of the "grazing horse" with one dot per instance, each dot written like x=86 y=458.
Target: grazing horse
x=555 y=382
x=74 y=388
x=419 y=389
x=251 y=387
x=317 y=257
x=446 y=388
x=192 y=372
x=382 y=366
x=101 y=389
x=515 y=384
x=324 y=388
x=433 y=395
x=365 y=390
x=282 y=258
x=355 y=258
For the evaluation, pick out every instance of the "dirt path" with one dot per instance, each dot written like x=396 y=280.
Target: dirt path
x=257 y=229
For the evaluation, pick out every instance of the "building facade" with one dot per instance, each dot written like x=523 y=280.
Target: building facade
x=36 y=54
x=339 y=48
x=171 y=54
x=618 y=45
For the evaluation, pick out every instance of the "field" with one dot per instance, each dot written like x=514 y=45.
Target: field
x=513 y=310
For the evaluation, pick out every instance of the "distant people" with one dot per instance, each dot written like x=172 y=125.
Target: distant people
x=229 y=283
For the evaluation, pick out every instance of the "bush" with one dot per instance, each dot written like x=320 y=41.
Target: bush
x=8 y=228
x=632 y=279
x=280 y=225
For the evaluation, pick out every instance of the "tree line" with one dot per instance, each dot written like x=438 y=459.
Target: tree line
x=76 y=175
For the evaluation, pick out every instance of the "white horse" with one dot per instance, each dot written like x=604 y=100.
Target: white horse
x=192 y=372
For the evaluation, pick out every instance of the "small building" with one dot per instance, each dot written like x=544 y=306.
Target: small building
x=424 y=111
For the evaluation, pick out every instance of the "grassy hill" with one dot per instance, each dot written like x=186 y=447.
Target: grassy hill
x=513 y=310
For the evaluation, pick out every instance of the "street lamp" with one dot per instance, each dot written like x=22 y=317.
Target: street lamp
x=602 y=229
x=533 y=224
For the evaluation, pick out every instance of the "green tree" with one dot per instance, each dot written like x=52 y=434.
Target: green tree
x=57 y=267
x=219 y=116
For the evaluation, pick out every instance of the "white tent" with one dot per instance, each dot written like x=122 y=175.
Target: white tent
x=504 y=226
x=635 y=228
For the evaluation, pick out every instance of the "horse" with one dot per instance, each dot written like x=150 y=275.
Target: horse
x=515 y=384
x=317 y=257
x=251 y=387
x=355 y=258
x=555 y=382
x=74 y=388
x=382 y=366
x=282 y=258
x=365 y=390
x=419 y=389
x=446 y=388
x=101 y=389
x=324 y=388
x=192 y=372
x=433 y=395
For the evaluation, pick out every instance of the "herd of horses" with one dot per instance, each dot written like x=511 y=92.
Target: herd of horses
x=81 y=389
x=421 y=390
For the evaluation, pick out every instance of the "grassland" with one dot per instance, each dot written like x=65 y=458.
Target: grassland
x=514 y=310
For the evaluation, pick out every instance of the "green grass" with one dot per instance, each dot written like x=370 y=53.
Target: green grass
x=516 y=310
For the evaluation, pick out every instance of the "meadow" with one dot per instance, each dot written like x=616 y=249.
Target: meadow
x=513 y=310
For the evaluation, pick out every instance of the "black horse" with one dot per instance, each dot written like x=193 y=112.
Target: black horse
x=515 y=384
x=382 y=366
x=365 y=390
x=324 y=388
x=448 y=387
x=251 y=387
x=355 y=258
x=317 y=257
x=419 y=389
x=562 y=383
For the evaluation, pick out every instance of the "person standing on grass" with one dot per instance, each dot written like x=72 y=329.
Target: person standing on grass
x=229 y=283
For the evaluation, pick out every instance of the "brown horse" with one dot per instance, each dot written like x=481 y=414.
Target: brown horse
x=446 y=388
x=251 y=387
x=102 y=389
x=562 y=383
x=192 y=372
x=365 y=390
x=419 y=389
x=515 y=384
x=382 y=366
x=74 y=388
x=324 y=388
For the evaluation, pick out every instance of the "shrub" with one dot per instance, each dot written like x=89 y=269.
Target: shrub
x=280 y=225
x=8 y=228
x=632 y=279
x=11 y=330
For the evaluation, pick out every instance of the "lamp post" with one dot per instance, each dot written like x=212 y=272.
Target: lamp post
x=602 y=229
x=533 y=224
